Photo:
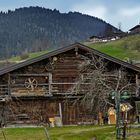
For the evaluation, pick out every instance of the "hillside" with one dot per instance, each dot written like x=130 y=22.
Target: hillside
x=127 y=48
x=35 y=29
x=124 y=49
x=18 y=59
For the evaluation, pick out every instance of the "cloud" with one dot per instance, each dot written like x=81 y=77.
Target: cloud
x=130 y=12
x=98 y=11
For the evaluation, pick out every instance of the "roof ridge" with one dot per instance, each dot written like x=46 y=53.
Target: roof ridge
x=63 y=49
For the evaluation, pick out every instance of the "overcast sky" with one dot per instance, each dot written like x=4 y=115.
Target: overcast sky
x=126 y=12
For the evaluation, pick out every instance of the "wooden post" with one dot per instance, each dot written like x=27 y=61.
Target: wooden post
x=47 y=134
x=3 y=134
x=76 y=51
x=137 y=84
x=60 y=112
x=9 y=84
x=50 y=83
x=137 y=81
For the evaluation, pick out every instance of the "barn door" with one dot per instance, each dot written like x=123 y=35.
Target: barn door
x=69 y=113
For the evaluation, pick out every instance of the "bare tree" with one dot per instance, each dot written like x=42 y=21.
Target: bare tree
x=96 y=82
x=120 y=26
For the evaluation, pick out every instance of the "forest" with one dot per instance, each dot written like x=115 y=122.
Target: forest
x=32 y=29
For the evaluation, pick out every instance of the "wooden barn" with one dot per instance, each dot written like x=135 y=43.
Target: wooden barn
x=40 y=89
x=135 y=29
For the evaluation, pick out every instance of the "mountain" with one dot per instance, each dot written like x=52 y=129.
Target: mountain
x=31 y=29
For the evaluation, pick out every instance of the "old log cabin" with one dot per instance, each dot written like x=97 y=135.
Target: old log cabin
x=41 y=88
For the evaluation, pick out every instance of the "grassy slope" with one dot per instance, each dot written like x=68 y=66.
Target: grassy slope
x=127 y=47
x=31 y=55
x=63 y=133
x=124 y=49
x=17 y=59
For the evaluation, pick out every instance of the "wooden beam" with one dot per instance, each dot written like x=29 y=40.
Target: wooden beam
x=60 y=111
x=23 y=85
x=33 y=74
x=76 y=51
x=50 y=83
x=137 y=80
x=9 y=84
x=88 y=83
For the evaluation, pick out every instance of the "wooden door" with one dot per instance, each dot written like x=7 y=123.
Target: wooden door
x=69 y=114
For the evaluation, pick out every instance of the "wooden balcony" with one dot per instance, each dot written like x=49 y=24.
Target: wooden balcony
x=53 y=89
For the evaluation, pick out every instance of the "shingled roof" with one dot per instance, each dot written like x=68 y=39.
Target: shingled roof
x=64 y=49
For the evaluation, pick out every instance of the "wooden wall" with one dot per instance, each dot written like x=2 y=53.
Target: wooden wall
x=53 y=77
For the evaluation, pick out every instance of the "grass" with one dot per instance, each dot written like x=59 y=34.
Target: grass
x=23 y=134
x=125 y=48
x=31 y=55
x=64 y=133
x=18 y=59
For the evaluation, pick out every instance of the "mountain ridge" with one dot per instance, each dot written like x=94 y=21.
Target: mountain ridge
x=31 y=29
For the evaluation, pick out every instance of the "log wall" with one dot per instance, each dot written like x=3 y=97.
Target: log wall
x=53 y=78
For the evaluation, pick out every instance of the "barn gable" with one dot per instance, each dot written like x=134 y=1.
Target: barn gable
x=65 y=49
x=43 y=83
x=52 y=73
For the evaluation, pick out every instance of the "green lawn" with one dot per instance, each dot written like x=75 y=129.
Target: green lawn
x=63 y=133
x=17 y=59
x=31 y=55
x=127 y=47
